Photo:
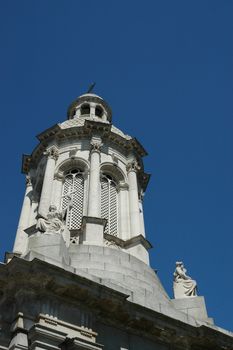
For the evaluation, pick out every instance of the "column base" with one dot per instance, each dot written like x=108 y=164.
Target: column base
x=93 y=230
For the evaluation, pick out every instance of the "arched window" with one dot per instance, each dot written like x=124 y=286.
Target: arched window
x=109 y=204
x=85 y=109
x=99 y=111
x=73 y=187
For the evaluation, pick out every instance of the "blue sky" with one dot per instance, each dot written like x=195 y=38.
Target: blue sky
x=165 y=68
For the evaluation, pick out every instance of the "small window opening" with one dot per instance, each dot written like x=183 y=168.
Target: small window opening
x=85 y=109
x=99 y=111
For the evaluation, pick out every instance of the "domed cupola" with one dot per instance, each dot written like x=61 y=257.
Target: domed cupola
x=90 y=106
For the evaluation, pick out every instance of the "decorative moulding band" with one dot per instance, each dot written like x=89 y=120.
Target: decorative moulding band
x=129 y=242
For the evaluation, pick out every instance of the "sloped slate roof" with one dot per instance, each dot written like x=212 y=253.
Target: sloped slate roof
x=80 y=122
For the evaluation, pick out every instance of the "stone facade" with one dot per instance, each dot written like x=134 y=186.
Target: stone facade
x=79 y=275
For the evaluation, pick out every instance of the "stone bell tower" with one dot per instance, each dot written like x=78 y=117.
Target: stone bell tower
x=99 y=169
x=79 y=275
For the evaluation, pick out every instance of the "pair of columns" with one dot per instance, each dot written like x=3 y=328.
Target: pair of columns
x=135 y=208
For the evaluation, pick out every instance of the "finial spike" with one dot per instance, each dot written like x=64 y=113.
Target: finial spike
x=91 y=87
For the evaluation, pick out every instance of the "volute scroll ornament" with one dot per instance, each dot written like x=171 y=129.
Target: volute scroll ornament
x=133 y=166
x=28 y=180
x=95 y=146
x=52 y=153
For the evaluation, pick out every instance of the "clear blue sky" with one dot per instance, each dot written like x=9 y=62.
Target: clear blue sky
x=165 y=67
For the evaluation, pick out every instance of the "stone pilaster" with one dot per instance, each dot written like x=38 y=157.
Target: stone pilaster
x=45 y=199
x=20 y=244
x=132 y=169
x=19 y=339
x=57 y=190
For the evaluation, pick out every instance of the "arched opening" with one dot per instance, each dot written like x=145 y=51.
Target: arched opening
x=85 y=109
x=99 y=111
x=73 y=188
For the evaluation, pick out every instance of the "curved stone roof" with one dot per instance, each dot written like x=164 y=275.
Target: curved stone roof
x=79 y=122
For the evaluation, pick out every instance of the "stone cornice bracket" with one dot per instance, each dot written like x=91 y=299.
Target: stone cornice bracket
x=28 y=180
x=133 y=166
x=95 y=146
x=52 y=153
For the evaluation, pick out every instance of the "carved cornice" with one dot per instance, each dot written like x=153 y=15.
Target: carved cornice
x=56 y=133
x=24 y=282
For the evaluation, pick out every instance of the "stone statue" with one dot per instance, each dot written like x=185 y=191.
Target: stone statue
x=183 y=285
x=55 y=222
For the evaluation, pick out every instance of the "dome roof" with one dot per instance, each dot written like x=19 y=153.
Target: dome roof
x=87 y=98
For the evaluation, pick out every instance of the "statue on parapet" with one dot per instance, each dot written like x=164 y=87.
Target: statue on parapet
x=183 y=285
x=54 y=222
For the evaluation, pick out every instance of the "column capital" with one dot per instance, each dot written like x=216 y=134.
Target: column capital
x=95 y=146
x=133 y=166
x=52 y=153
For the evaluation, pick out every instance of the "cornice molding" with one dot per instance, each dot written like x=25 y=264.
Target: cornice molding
x=56 y=133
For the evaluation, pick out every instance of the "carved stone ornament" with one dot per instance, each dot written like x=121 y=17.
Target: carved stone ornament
x=96 y=145
x=54 y=222
x=112 y=244
x=28 y=181
x=183 y=285
x=133 y=166
x=52 y=153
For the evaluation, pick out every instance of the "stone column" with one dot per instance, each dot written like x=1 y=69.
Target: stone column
x=94 y=181
x=46 y=192
x=20 y=244
x=93 y=225
x=124 y=222
x=92 y=109
x=133 y=199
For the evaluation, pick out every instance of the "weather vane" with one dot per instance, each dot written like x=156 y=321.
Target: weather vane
x=91 y=87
